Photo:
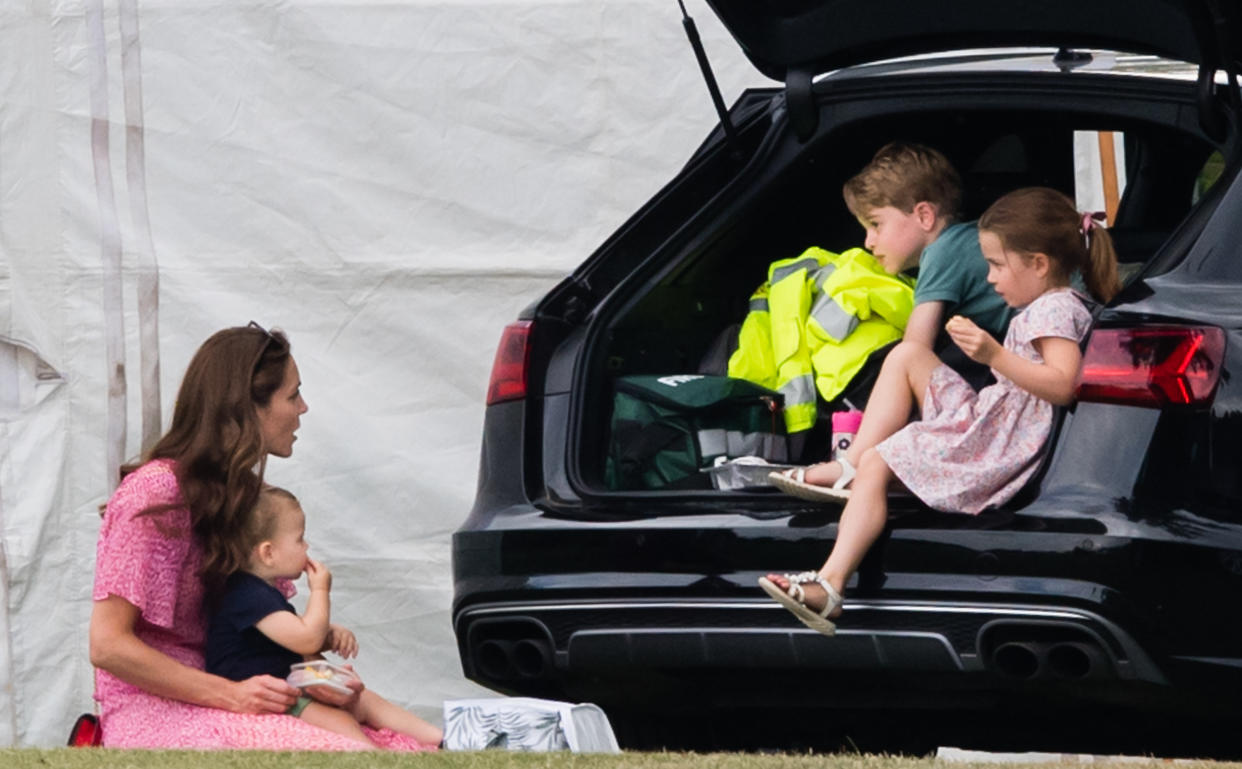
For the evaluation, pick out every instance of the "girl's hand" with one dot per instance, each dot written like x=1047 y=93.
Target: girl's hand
x=342 y=641
x=317 y=575
x=262 y=694
x=978 y=344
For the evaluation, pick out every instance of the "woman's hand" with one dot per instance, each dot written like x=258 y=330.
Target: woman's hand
x=262 y=694
x=115 y=648
x=341 y=640
x=978 y=344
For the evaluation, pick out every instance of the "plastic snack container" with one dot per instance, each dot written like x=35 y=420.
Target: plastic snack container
x=321 y=673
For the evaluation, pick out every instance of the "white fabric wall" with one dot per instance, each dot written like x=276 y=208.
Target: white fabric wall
x=1088 y=169
x=390 y=183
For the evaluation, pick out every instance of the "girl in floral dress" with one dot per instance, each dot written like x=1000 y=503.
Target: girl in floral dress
x=970 y=451
x=240 y=401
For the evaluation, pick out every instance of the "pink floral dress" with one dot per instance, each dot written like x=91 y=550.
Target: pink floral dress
x=972 y=451
x=152 y=562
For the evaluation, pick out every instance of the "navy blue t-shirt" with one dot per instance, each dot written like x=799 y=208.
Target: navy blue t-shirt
x=235 y=649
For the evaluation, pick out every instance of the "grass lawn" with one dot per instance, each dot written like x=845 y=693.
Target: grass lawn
x=94 y=758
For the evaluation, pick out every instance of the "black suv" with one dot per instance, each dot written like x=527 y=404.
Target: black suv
x=1093 y=612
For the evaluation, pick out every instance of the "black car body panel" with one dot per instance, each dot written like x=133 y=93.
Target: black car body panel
x=1094 y=601
x=821 y=35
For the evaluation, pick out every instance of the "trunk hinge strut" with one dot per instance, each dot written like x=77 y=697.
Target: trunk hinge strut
x=800 y=101
x=1210 y=117
x=705 y=67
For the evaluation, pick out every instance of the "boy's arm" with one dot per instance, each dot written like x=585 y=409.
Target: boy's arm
x=924 y=324
x=305 y=634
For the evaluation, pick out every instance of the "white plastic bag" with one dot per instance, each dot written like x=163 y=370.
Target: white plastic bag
x=527 y=724
x=742 y=472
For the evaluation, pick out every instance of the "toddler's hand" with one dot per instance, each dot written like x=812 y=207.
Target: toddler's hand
x=342 y=641
x=974 y=341
x=317 y=575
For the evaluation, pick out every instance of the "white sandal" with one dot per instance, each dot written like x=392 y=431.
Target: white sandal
x=794 y=599
x=793 y=482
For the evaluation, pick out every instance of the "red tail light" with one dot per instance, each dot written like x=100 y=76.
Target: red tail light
x=1152 y=365
x=508 y=380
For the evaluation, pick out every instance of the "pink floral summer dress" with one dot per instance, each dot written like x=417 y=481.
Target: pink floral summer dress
x=152 y=562
x=972 y=451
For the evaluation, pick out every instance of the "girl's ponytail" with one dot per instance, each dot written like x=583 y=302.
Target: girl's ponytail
x=1099 y=272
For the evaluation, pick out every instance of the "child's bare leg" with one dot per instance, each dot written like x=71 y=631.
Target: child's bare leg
x=899 y=387
x=375 y=711
x=334 y=720
x=862 y=522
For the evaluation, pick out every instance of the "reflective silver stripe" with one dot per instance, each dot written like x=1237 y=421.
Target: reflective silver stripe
x=774 y=447
x=713 y=443
x=744 y=444
x=759 y=305
x=799 y=391
x=835 y=322
x=760 y=444
x=781 y=273
x=735 y=443
x=823 y=274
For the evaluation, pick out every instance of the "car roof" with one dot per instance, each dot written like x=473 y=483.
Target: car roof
x=816 y=36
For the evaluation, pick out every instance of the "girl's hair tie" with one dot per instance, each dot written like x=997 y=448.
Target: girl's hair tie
x=1089 y=219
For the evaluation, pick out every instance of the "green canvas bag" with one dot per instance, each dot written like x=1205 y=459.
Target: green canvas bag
x=665 y=429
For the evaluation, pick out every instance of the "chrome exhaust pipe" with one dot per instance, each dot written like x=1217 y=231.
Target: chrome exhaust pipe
x=1021 y=660
x=494 y=659
x=1076 y=660
x=532 y=658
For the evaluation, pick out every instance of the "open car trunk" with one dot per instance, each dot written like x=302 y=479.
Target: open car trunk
x=672 y=314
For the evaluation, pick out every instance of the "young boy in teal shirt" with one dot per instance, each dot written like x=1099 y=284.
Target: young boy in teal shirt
x=907 y=200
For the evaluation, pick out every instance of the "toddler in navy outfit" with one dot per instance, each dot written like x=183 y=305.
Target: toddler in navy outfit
x=254 y=630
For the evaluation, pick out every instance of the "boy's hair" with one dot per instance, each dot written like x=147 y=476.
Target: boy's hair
x=1042 y=220
x=902 y=175
x=260 y=524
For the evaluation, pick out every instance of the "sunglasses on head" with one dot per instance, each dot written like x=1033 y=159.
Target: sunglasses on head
x=269 y=338
x=266 y=333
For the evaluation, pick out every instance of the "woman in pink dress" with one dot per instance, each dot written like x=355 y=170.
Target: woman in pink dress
x=970 y=451
x=240 y=401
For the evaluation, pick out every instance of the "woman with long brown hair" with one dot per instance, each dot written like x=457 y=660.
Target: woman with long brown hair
x=163 y=546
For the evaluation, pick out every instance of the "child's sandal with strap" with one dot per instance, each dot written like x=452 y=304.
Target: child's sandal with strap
x=794 y=599
x=847 y=475
x=793 y=482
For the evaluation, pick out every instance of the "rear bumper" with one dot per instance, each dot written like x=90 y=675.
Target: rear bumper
x=997 y=615
x=556 y=646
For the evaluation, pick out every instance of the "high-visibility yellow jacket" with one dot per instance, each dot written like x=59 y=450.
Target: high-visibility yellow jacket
x=813 y=323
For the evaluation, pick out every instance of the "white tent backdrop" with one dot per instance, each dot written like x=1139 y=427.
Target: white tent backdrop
x=390 y=183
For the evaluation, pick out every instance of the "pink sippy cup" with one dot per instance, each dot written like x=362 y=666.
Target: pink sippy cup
x=844 y=427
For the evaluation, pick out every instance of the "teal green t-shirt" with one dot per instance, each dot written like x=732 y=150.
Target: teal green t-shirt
x=952 y=270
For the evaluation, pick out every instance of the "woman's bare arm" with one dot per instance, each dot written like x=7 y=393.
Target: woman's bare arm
x=114 y=647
